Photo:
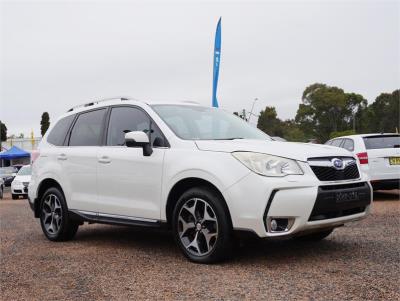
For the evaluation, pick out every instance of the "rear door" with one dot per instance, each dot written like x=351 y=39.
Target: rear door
x=80 y=159
x=383 y=156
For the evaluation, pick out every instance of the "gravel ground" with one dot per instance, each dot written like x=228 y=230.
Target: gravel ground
x=358 y=261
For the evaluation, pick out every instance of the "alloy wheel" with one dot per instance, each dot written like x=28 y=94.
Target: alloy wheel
x=197 y=227
x=52 y=214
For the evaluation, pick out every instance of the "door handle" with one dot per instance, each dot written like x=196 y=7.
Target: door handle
x=104 y=160
x=62 y=157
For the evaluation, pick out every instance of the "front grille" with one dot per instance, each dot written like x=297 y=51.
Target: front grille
x=335 y=201
x=325 y=171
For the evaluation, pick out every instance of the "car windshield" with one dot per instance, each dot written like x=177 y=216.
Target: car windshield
x=202 y=123
x=382 y=141
x=25 y=171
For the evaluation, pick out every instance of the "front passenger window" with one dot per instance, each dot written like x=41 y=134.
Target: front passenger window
x=129 y=119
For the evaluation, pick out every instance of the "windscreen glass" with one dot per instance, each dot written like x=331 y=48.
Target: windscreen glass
x=25 y=171
x=202 y=123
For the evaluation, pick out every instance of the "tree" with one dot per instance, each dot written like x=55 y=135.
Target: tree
x=21 y=135
x=44 y=123
x=383 y=114
x=3 y=132
x=326 y=109
x=269 y=123
x=292 y=132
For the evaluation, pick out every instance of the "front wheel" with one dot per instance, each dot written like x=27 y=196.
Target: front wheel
x=201 y=226
x=1 y=192
x=15 y=196
x=54 y=219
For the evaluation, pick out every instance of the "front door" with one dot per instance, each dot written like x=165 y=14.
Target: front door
x=128 y=183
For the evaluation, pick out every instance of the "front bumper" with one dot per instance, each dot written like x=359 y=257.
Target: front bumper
x=19 y=189
x=304 y=200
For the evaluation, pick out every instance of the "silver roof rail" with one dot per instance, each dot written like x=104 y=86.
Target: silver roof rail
x=97 y=101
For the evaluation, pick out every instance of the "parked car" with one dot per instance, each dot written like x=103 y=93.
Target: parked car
x=202 y=172
x=1 y=188
x=19 y=186
x=8 y=175
x=378 y=154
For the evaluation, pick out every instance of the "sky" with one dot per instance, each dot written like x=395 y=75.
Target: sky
x=57 y=54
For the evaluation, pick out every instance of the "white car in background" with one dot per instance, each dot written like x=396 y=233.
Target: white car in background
x=378 y=154
x=19 y=186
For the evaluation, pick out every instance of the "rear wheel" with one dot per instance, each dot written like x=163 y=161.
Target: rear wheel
x=15 y=196
x=201 y=226
x=1 y=192
x=317 y=236
x=54 y=219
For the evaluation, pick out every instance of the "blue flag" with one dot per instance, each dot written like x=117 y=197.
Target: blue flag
x=217 y=55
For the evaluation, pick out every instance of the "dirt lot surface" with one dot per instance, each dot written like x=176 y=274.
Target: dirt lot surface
x=358 y=261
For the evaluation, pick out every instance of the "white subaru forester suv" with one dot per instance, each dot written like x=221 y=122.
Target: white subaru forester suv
x=204 y=173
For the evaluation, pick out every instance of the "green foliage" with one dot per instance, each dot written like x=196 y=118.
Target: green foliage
x=44 y=123
x=292 y=131
x=326 y=109
x=269 y=123
x=383 y=114
x=343 y=133
x=3 y=132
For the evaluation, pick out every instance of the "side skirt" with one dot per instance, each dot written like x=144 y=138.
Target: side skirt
x=111 y=219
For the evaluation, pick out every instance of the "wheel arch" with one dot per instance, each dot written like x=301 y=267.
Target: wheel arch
x=42 y=187
x=183 y=185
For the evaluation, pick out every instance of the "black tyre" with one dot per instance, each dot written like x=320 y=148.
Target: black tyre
x=15 y=196
x=317 y=236
x=201 y=226
x=1 y=192
x=54 y=219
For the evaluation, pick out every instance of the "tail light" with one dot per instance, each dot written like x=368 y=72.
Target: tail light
x=363 y=157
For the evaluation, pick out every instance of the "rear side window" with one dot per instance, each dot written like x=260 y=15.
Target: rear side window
x=128 y=119
x=348 y=144
x=378 y=142
x=87 y=130
x=336 y=142
x=59 y=131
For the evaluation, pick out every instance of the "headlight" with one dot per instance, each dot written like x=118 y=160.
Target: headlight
x=268 y=165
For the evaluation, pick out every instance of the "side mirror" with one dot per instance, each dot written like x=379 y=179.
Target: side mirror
x=139 y=139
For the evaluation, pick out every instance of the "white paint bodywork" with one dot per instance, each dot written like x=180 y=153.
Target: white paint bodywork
x=17 y=184
x=121 y=181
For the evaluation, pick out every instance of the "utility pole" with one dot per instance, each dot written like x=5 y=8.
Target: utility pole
x=252 y=107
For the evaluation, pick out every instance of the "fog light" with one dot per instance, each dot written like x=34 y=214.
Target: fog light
x=274 y=225
x=279 y=224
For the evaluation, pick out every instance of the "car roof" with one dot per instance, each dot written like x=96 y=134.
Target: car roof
x=366 y=135
x=105 y=102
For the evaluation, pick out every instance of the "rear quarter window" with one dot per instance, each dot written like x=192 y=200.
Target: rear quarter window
x=59 y=131
x=379 y=142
